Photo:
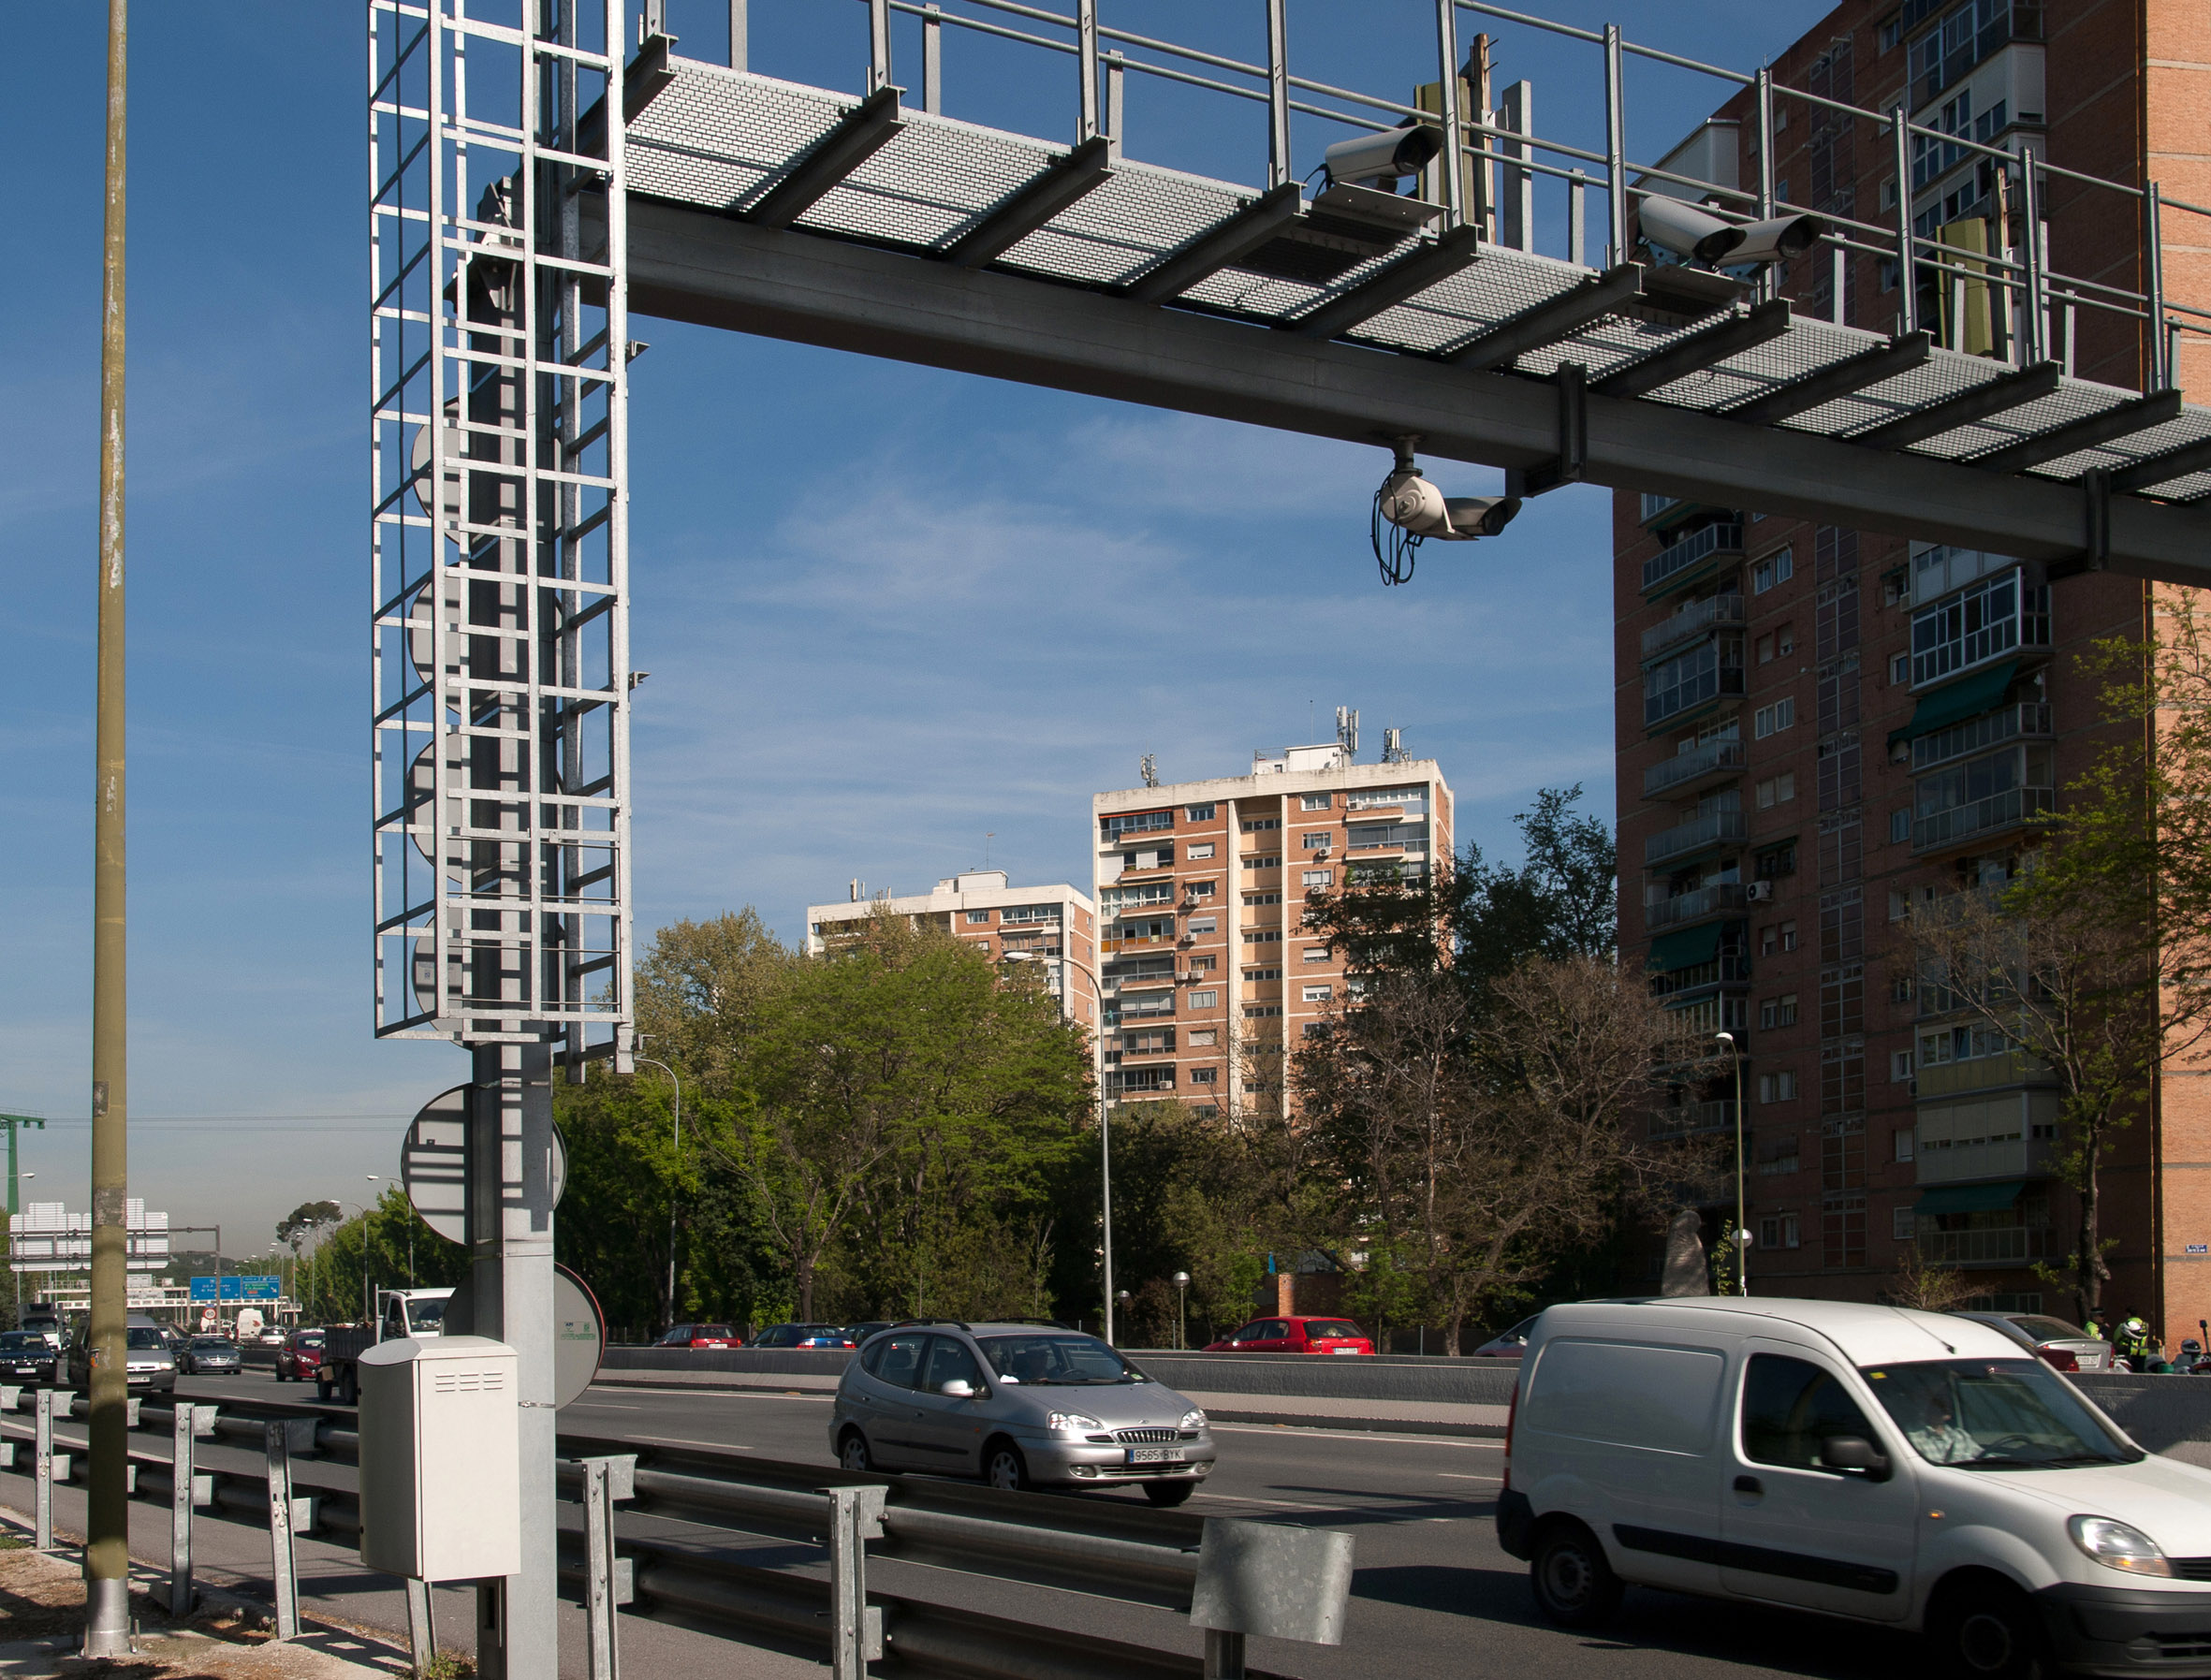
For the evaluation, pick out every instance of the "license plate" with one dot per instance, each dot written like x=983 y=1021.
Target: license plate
x=1343 y=1350
x=1155 y=1454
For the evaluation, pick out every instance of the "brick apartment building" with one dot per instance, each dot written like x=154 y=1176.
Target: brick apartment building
x=1053 y=926
x=1819 y=728
x=1209 y=980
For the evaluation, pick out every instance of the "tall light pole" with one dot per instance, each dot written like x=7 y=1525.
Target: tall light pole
x=12 y=1266
x=106 y=1499
x=1742 y=1237
x=368 y=1303
x=1105 y=1124
x=647 y=1062
x=1181 y=1282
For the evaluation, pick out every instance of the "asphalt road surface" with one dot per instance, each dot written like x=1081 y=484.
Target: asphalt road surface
x=1434 y=1595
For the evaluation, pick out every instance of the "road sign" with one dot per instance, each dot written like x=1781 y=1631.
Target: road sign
x=580 y=1330
x=433 y=1164
x=238 y=1287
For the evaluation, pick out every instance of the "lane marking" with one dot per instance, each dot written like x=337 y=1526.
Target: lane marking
x=1462 y=1476
x=677 y=1440
x=1421 y=1441
x=720 y=1393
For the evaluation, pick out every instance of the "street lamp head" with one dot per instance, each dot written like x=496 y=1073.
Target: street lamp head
x=1724 y=1038
x=1181 y=1279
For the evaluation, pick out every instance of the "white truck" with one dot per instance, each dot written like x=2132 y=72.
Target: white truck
x=413 y=1314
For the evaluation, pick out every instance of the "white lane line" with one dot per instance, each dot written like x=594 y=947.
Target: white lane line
x=1412 y=1440
x=677 y=1440
x=721 y=1393
x=605 y=1405
x=1461 y=1476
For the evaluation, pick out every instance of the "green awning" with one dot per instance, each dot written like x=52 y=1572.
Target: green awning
x=1673 y=952
x=1970 y=1198
x=1968 y=697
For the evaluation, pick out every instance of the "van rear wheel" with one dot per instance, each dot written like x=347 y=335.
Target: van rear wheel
x=1988 y=1629
x=1573 y=1584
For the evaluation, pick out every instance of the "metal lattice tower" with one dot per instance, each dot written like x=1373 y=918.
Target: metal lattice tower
x=500 y=653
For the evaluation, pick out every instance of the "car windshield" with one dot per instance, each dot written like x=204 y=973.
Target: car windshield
x=709 y=1332
x=1065 y=1358
x=139 y=1340
x=1331 y=1330
x=211 y=1344
x=308 y=1338
x=21 y=1341
x=1995 y=1415
x=426 y=1315
x=2049 y=1330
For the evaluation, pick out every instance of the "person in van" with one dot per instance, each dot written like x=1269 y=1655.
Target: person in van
x=1940 y=1440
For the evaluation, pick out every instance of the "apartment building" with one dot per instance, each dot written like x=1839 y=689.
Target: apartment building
x=1820 y=729
x=1209 y=978
x=1055 y=927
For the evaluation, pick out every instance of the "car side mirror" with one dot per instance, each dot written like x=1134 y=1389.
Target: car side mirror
x=1856 y=1454
x=959 y=1388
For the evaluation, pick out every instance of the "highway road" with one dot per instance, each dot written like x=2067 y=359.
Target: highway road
x=1434 y=1595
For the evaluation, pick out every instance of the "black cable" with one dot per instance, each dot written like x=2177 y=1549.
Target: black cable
x=1397 y=563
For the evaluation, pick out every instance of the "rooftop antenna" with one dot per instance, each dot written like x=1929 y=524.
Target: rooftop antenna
x=1347 y=731
x=1148 y=768
x=987 y=839
x=856 y=889
x=1393 y=746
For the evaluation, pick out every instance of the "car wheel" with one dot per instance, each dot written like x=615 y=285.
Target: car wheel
x=1575 y=1586
x=853 y=1454
x=322 y=1391
x=1988 y=1629
x=1004 y=1468
x=1164 y=1494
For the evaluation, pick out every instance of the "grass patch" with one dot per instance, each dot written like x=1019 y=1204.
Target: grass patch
x=449 y=1665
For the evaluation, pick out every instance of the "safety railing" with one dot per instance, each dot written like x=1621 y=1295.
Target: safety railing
x=1708 y=758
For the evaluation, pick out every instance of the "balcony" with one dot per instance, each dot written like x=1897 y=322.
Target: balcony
x=1962 y=823
x=1695 y=1119
x=1713 y=612
x=1721 y=899
x=1980 y=1074
x=1729 y=968
x=1672 y=567
x=1999 y=1157
x=2029 y=720
x=1699 y=834
x=2011 y=1244
x=1684 y=772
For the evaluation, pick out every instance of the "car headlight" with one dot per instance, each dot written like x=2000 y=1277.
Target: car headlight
x=1193 y=1419
x=2116 y=1546
x=1070 y=1423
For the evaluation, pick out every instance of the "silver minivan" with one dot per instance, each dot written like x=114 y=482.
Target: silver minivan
x=1019 y=1405
x=1910 y=1468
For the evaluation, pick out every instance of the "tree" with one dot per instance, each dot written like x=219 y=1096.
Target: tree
x=706 y=990
x=2093 y=960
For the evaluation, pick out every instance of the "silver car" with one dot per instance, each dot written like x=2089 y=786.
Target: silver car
x=1019 y=1405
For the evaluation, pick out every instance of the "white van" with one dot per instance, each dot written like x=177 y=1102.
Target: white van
x=1908 y=1469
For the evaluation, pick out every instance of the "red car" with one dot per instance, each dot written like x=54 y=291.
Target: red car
x=700 y=1336
x=1296 y=1335
x=300 y=1357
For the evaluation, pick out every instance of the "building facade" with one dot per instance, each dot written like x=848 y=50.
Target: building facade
x=1053 y=927
x=1819 y=730
x=1209 y=979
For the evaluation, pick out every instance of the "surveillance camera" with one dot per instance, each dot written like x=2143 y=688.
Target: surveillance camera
x=1688 y=231
x=1384 y=157
x=1778 y=240
x=1411 y=502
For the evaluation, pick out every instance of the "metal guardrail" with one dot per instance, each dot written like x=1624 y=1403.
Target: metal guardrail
x=1713 y=828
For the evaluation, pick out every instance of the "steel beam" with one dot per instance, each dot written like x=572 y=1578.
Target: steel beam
x=1884 y=362
x=2122 y=419
x=2163 y=469
x=1685 y=291
x=1408 y=277
x=1032 y=204
x=693 y=266
x=1218 y=247
x=829 y=161
x=1702 y=349
x=2012 y=390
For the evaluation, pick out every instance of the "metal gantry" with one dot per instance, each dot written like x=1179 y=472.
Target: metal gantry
x=499 y=642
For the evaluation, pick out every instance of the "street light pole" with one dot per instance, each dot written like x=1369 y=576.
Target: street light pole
x=647 y=1062
x=13 y=1264
x=1105 y=1124
x=1181 y=1289
x=1742 y=1236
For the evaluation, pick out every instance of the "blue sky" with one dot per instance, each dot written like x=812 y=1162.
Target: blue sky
x=887 y=610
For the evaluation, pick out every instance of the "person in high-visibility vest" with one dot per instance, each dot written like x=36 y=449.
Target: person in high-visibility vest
x=2134 y=1342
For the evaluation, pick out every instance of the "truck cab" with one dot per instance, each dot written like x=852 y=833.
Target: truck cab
x=411 y=1314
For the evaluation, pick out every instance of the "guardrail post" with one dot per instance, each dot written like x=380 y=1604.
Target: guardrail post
x=181 y=1477
x=283 y=1566
x=856 y=1629
x=605 y=1481
x=42 y=1473
x=421 y=1627
x=1224 y=1655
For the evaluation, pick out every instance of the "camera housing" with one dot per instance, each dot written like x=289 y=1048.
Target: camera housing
x=1389 y=156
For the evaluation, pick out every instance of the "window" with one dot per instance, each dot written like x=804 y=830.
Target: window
x=978 y=918
x=1252 y=898
x=1899 y=1066
x=1900 y=905
x=1116 y=900
x=1199 y=889
x=1769 y=939
x=1792 y=1408
x=1779 y=1012
x=1260 y=1012
x=1317 y=994
x=1904 y=1222
x=1320 y=840
x=1900 y=989
x=1015 y=913
x=1702 y=673
x=1263 y=973
x=1775 y=568
x=1899 y=826
x=1198 y=813
x=1315 y=801
x=1257 y=861
x=1134 y=821
x=1205 y=924
x=1201 y=1040
x=1412 y=798
x=1891 y=33
x=1316 y=954
x=1899 y=670
x=1901 y=1141
x=1265 y=936
x=1260 y=825
x=1774 y=862
x=1201 y=965
x=1314 y=1029
x=1984 y=621
x=1319 y=877
x=1777 y=1088
x=1778 y=1231
x=1206 y=1000
x=1202 y=1076
x=1200 y=852
x=1777 y=790
x=1778 y=645
x=1772 y=719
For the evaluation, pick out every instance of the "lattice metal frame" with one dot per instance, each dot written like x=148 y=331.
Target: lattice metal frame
x=499 y=664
